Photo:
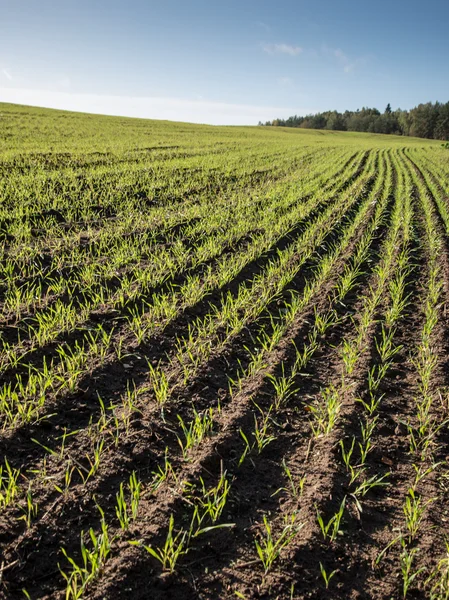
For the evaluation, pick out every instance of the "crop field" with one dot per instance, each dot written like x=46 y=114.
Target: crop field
x=223 y=361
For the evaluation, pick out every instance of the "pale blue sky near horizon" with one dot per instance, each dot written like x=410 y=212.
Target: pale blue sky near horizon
x=224 y=63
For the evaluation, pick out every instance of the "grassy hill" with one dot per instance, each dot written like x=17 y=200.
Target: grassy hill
x=223 y=361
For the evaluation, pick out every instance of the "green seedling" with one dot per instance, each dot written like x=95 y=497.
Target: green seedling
x=94 y=555
x=9 y=488
x=332 y=528
x=269 y=547
x=196 y=431
x=126 y=511
x=295 y=488
x=327 y=576
x=170 y=552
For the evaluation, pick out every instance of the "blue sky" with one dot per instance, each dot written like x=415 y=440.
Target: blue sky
x=230 y=62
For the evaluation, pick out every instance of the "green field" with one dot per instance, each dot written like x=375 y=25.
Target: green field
x=224 y=361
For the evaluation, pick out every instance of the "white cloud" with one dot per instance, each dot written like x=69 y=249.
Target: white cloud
x=172 y=109
x=263 y=25
x=340 y=55
x=344 y=60
x=347 y=63
x=7 y=74
x=285 y=80
x=282 y=49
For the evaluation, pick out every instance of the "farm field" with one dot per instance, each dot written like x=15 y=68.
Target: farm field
x=223 y=361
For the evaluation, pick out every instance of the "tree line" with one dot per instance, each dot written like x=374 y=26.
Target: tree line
x=430 y=120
